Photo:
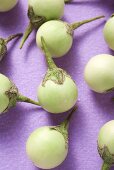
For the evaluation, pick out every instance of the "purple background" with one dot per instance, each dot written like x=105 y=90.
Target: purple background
x=27 y=67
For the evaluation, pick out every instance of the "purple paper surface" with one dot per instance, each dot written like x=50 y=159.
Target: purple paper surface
x=27 y=67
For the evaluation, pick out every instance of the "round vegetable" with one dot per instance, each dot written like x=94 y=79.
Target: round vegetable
x=109 y=32
x=47 y=146
x=5 y=85
x=4 y=42
x=9 y=95
x=99 y=73
x=57 y=92
x=40 y=11
x=50 y=9
x=6 y=5
x=106 y=145
x=58 y=35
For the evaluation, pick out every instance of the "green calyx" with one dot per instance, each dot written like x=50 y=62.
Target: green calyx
x=57 y=75
x=63 y=127
x=63 y=130
x=4 y=42
x=70 y=29
x=35 y=20
x=12 y=94
x=35 y=23
x=105 y=166
x=14 y=97
x=107 y=157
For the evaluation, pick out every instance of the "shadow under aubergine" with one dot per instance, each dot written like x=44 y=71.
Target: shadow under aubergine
x=11 y=122
x=105 y=102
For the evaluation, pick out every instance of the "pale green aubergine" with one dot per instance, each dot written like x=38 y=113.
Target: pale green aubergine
x=5 y=85
x=7 y=5
x=109 y=32
x=106 y=145
x=43 y=147
x=99 y=73
x=57 y=92
x=50 y=9
x=58 y=35
x=47 y=146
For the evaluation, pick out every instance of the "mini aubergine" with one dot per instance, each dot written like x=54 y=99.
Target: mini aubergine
x=47 y=146
x=108 y=32
x=99 y=73
x=106 y=145
x=57 y=92
x=58 y=35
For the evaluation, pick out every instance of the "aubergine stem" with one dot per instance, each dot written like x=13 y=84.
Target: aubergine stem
x=28 y=31
x=22 y=98
x=105 y=166
x=11 y=37
x=50 y=63
x=63 y=127
x=34 y=23
x=78 y=24
x=65 y=124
